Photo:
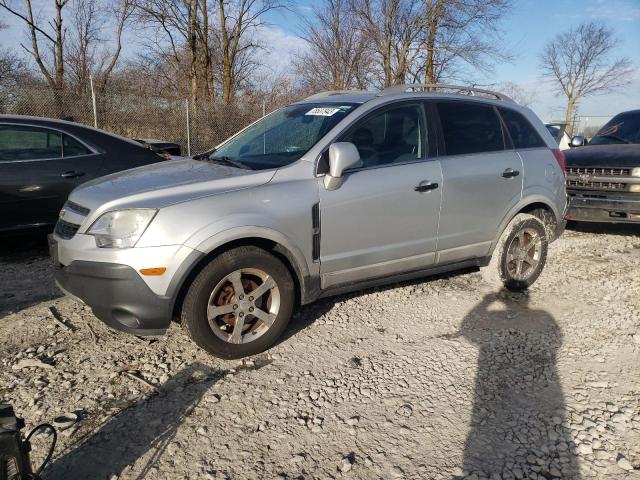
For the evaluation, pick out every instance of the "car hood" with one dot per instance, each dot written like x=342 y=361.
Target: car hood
x=166 y=183
x=622 y=156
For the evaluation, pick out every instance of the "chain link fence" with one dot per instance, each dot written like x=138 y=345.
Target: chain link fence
x=144 y=115
x=138 y=115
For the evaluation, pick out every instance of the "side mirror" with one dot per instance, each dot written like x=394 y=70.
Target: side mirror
x=342 y=155
x=578 y=141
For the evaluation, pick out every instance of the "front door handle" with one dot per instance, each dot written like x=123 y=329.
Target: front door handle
x=72 y=174
x=510 y=173
x=425 y=186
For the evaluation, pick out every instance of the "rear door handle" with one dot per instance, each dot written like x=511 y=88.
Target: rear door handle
x=72 y=174
x=510 y=173
x=425 y=186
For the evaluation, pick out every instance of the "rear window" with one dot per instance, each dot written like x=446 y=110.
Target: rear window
x=522 y=132
x=470 y=128
x=73 y=148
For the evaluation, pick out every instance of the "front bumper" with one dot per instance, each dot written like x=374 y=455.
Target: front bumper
x=117 y=296
x=116 y=293
x=604 y=209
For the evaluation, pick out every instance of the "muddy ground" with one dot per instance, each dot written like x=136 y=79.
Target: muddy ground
x=435 y=379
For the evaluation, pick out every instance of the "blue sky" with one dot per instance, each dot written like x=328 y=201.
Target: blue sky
x=527 y=28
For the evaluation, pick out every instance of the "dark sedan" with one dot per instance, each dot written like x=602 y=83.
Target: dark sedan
x=42 y=160
x=603 y=178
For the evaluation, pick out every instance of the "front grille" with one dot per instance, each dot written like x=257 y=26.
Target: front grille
x=65 y=229
x=589 y=185
x=600 y=172
x=74 y=207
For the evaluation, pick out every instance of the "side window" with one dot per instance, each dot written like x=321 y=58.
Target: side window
x=19 y=142
x=470 y=128
x=73 y=148
x=394 y=135
x=522 y=132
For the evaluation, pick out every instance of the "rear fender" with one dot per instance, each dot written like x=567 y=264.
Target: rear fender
x=521 y=205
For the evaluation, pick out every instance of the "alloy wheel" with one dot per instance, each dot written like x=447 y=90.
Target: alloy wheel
x=243 y=305
x=523 y=254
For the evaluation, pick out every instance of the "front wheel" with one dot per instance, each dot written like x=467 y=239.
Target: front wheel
x=240 y=303
x=520 y=255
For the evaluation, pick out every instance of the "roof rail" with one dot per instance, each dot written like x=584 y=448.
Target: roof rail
x=443 y=86
x=330 y=93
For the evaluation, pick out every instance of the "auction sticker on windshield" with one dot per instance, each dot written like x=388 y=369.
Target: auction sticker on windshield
x=323 y=111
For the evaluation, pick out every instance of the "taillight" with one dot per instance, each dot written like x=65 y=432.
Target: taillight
x=560 y=158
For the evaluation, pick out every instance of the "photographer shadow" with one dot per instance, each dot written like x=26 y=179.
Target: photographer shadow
x=143 y=430
x=518 y=422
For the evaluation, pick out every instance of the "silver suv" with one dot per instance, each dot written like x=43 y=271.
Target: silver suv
x=338 y=192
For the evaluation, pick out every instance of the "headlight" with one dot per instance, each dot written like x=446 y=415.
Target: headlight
x=635 y=172
x=634 y=188
x=121 y=228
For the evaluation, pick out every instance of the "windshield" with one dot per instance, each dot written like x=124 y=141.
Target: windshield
x=282 y=137
x=624 y=128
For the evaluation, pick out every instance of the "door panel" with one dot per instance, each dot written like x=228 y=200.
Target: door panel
x=475 y=198
x=384 y=217
x=38 y=169
x=32 y=192
x=482 y=178
x=377 y=224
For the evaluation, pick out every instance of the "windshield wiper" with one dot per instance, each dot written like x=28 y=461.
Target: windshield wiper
x=614 y=137
x=224 y=160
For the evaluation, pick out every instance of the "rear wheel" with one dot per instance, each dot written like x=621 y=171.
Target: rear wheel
x=520 y=255
x=240 y=303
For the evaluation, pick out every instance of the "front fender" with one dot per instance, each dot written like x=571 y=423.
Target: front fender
x=232 y=229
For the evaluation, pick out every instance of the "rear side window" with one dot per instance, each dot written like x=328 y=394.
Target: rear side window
x=73 y=148
x=19 y=142
x=522 y=132
x=470 y=128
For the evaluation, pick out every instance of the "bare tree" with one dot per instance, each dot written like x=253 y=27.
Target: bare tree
x=193 y=9
x=204 y=38
x=206 y=53
x=462 y=33
x=11 y=66
x=518 y=93
x=236 y=20
x=75 y=41
x=337 y=56
x=180 y=22
x=581 y=62
x=393 y=29
x=85 y=33
x=121 y=11
x=52 y=71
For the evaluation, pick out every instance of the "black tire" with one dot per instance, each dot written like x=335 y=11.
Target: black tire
x=194 y=308
x=499 y=270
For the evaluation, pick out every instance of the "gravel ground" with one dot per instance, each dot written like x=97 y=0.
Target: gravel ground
x=434 y=379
